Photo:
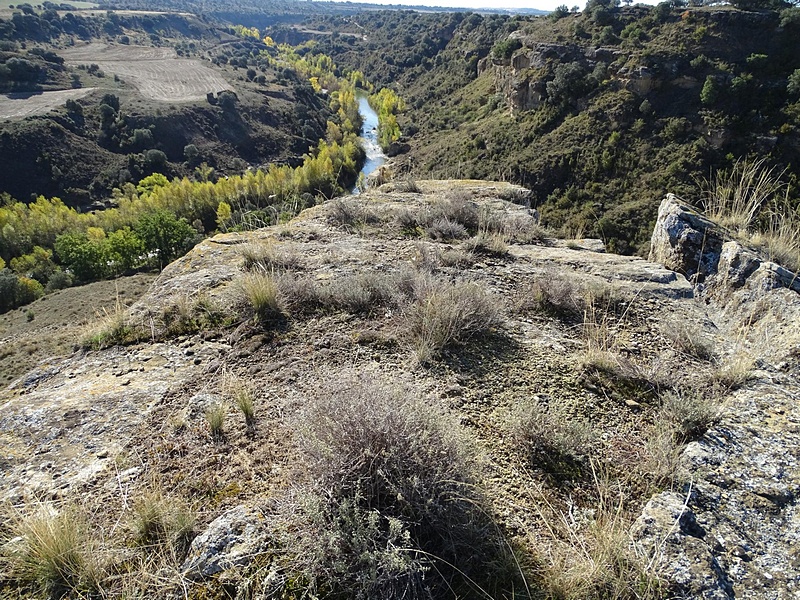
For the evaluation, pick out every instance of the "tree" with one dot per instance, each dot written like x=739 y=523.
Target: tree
x=710 y=91
x=164 y=234
x=85 y=256
x=793 y=84
x=37 y=265
x=125 y=250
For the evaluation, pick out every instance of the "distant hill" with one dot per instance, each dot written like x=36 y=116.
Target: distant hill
x=598 y=112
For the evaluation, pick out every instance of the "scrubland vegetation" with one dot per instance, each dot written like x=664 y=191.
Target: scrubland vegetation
x=455 y=421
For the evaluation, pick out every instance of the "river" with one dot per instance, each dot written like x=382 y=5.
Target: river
x=369 y=133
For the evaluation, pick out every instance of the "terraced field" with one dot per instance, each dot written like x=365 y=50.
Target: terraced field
x=19 y=106
x=157 y=73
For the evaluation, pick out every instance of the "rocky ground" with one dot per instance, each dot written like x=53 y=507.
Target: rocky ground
x=635 y=431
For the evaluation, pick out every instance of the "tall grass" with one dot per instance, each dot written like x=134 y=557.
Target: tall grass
x=593 y=557
x=734 y=197
x=52 y=552
x=753 y=201
x=261 y=292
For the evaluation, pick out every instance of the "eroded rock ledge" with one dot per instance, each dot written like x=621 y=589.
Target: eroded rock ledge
x=733 y=529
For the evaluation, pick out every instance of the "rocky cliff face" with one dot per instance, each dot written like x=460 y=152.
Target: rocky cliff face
x=593 y=337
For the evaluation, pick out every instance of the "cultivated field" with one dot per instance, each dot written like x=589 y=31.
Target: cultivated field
x=156 y=72
x=19 y=106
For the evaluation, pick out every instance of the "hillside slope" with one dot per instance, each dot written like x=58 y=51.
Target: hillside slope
x=599 y=113
x=165 y=93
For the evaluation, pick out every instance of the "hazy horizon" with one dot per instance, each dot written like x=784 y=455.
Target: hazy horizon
x=546 y=5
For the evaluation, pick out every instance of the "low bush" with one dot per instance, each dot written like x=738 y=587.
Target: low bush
x=350 y=215
x=552 y=438
x=689 y=339
x=389 y=506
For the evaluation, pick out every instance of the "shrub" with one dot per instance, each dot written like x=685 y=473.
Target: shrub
x=390 y=507
x=164 y=234
x=444 y=229
x=361 y=293
x=349 y=214
x=688 y=412
x=487 y=244
x=448 y=314
x=687 y=337
x=551 y=437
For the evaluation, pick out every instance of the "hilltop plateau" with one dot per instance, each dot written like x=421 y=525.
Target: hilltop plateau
x=417 y=392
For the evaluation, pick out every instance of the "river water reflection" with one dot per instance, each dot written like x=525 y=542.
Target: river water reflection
x=369 y=133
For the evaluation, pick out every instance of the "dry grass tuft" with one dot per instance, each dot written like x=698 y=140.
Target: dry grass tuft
x=734 y=197
x=160 y=523
x=733 y=371
x=682 y=416
x=52 y=552
x=448 y=314
x=751 y=199
x=243 y=398
x=688 y=338
x=215 y=417
x=589 y=554
x=269 y=257
x=111 y=328
x=261 y=292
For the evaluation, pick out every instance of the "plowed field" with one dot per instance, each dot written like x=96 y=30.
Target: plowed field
x=156 y=72
x=19 y=106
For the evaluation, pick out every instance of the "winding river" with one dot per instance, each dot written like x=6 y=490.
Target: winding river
x=369 y=133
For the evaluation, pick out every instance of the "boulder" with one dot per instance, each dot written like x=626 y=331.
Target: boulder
x=231 y=540
x=686 y=241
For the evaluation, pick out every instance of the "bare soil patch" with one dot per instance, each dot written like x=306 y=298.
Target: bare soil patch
x=50 y=326
x=19 y=106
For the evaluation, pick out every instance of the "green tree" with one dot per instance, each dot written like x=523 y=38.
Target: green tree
x=86 y=257
x=125 y=250
x=37 y=265
x=793 y=84
x=164 y=234
x=710 y=91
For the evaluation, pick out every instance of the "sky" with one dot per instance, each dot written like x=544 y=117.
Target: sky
x=476 y=4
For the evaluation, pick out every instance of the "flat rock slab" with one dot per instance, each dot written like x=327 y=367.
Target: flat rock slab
x=69 y=420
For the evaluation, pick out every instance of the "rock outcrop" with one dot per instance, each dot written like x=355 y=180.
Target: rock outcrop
x=103 y=425
x=733 y=531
